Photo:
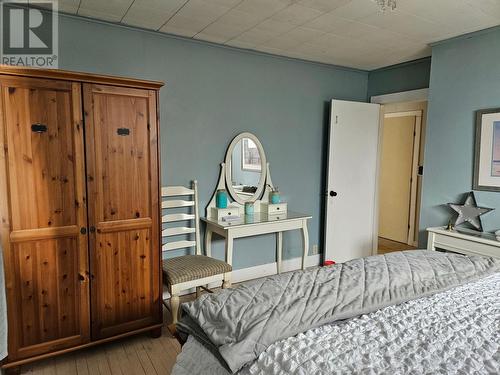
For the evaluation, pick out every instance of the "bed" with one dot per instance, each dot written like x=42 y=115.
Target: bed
x=421 y=312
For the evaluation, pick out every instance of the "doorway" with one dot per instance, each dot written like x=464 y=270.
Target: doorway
x=400 y=172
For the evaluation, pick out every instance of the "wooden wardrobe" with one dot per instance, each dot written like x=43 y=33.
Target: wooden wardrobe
x=79 y=209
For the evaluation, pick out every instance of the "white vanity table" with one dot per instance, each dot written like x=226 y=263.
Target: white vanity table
x=258 y=224
x=463 y=241
x=245 y=165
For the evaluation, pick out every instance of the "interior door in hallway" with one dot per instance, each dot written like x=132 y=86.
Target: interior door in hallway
x=397 y=180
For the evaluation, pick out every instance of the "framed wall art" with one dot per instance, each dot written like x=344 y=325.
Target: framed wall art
x=487 y=150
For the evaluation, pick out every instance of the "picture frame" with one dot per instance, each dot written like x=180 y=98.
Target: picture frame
x=487 y=150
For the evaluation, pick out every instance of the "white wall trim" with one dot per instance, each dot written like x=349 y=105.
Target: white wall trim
x=403 y=114
x=400 y=97
x=263 y=270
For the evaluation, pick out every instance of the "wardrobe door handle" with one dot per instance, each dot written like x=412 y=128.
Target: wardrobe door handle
x=39 y=128
x=83 y=230
x=92 y=229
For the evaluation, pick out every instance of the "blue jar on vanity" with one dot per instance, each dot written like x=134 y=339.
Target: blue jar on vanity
x=221 y=199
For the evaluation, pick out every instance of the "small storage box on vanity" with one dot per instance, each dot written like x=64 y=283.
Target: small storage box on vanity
x=219 y=213
x=274 y=209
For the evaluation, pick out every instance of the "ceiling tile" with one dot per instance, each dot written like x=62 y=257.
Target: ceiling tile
x=109 y=10
x=184 y=26
x=207 y=10
x=409 y=25
x=225 y=3
x=292 y=38
x=345 y=32
x=324 y=5
x=280 y=42
x=457 y=16
x=330 y=22
x=239 y=18
x=296 y=14
x=276 y=27
x=264 y=8
x=231 y=24
x=304 y=34
x=255 y=36
x=152 y=14
x=68 y=6
x=356 y=9
x=489 y=7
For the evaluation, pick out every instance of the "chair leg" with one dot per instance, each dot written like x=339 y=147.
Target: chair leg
x=174 y=308
x=226 y=283
x=198 y=291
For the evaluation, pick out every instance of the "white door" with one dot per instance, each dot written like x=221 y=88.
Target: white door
x=352 y=176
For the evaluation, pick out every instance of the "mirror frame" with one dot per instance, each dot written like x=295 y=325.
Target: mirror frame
x=262 y=181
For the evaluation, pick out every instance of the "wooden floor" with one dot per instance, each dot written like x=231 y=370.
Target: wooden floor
x=387 y=246
x=138 y=355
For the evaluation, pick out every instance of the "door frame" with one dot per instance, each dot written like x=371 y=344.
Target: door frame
x=420 y=95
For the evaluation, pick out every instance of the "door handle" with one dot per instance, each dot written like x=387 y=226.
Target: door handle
x=333 y=193
x=83 y=230
x=92 y=229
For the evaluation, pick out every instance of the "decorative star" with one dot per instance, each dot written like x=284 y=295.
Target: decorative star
x=469 y=212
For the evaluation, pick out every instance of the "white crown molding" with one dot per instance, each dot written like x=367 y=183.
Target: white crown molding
x=400 y=97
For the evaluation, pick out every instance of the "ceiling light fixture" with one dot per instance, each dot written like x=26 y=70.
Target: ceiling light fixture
x=386 y=4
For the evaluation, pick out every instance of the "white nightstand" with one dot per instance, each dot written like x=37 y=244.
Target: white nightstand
x=463 y=241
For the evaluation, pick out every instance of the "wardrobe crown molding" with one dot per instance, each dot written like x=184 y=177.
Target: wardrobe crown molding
x=79 y=77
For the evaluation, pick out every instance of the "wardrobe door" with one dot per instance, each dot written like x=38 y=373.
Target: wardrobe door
x=43 y=211
x=122 y=175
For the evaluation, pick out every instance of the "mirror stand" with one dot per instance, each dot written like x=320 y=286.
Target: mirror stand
x=221 y=185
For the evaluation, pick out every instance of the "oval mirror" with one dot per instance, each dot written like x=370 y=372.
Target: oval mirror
x=245 y=168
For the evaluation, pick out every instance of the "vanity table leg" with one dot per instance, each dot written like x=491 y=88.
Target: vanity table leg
x=208 y=242
x=279 y=250
x=229 y=249
x=305 y=239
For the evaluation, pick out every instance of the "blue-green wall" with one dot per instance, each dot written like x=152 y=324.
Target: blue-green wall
x=408 y=76
x=212 y=94
x=465 y=77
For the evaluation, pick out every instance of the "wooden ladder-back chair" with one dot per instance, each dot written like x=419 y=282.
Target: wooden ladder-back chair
x=187 y=271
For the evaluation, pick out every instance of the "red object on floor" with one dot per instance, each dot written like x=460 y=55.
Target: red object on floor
x=328 y=263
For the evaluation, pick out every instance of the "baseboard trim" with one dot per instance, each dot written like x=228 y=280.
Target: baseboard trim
x=263 y=270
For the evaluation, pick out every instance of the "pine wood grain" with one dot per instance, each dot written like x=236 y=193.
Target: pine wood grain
x=44 y=250
x=122 y=186
x=55 y=245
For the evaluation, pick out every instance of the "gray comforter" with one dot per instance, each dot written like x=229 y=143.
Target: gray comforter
x=239 y=324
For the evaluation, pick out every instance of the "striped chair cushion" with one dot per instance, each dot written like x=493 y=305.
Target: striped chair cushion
x=192 y=267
